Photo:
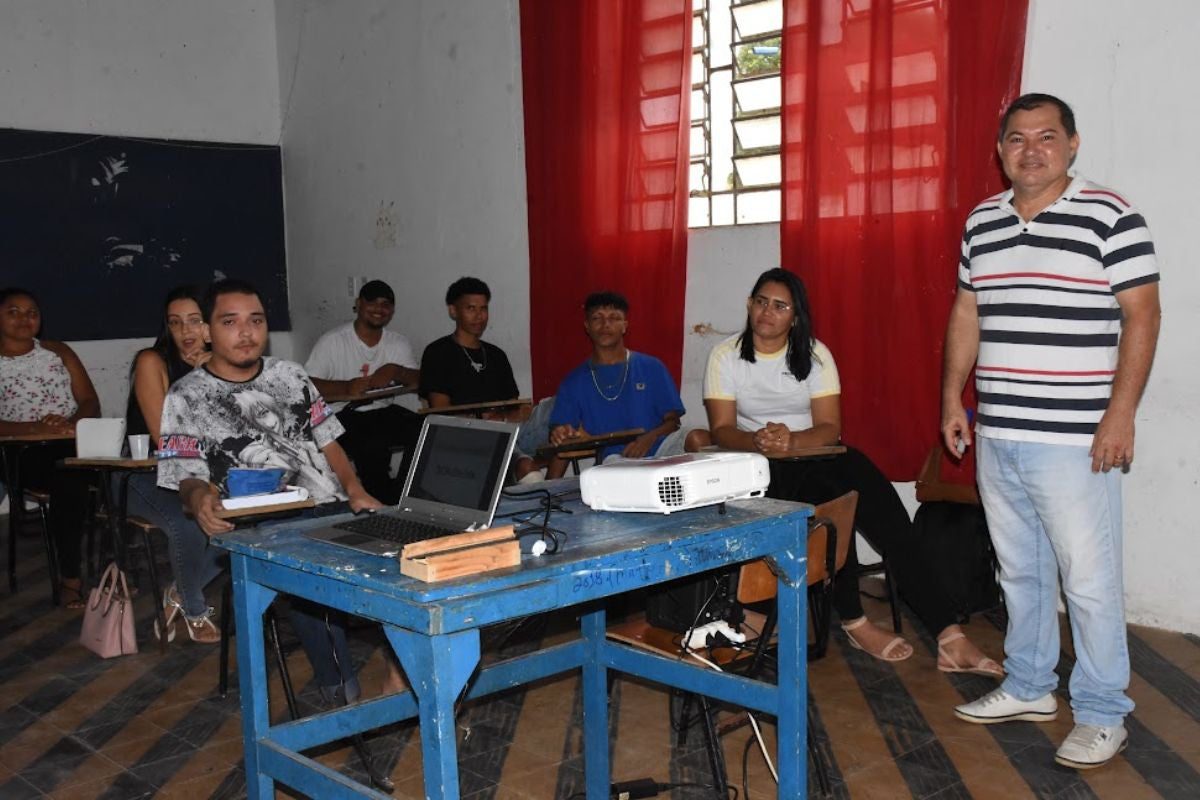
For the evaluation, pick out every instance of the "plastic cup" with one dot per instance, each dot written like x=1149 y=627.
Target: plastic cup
x=139 y=445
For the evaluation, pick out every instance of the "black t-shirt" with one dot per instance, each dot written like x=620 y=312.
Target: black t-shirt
x=467 y=375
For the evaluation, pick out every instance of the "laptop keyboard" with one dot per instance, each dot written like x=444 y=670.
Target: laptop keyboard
x=394 y=529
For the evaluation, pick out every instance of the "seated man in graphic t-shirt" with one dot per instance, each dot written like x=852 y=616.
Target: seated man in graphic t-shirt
x=615 y=389
x=362 y=355
x=243 y=410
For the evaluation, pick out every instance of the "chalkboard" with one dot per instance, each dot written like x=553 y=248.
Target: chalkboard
x=101 y=227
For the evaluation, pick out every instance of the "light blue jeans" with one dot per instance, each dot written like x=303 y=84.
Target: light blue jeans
x=1048 y=513
x=194 y=561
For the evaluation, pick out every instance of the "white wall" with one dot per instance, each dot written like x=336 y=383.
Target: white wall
x=155 y=68
x=403 y=147
x=1126 y=69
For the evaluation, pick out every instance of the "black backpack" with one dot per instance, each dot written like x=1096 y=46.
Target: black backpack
x=954 y=537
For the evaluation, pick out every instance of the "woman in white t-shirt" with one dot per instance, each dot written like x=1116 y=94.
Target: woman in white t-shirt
x=774 y=388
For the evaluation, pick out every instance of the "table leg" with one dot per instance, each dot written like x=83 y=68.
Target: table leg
x=115 y=520
x=438 y=667
x=595 y=706
x=252 y=601
x=792 y=654
x=16 y=510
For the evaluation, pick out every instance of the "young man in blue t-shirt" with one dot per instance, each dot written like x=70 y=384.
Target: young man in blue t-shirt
x=615 y=389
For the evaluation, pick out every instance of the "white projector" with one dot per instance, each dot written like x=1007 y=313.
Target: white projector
x=674 y=483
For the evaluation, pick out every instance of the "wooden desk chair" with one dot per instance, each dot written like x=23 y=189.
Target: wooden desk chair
x=827 y=553
x=831 y=534
x=585 y=448
x=521 y=406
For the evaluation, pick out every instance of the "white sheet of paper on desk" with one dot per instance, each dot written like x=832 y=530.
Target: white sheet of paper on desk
x=292 y=494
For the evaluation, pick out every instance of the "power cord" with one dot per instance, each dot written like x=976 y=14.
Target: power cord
x=551 y=538
x=648 y=787
x=762 y=745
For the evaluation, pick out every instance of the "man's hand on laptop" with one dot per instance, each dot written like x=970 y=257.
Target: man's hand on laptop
x=361 y=501
x=565 y=433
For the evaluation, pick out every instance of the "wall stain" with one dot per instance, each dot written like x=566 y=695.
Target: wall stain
x=385 y=226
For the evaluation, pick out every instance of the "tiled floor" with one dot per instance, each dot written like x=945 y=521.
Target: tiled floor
x=74 y=726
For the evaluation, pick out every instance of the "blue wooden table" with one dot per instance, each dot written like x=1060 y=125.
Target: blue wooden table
x=435 y=630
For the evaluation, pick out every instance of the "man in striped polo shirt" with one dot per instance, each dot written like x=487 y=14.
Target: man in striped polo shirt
x=1057 y=309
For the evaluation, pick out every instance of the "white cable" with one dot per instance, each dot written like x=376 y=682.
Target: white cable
x=753 y=722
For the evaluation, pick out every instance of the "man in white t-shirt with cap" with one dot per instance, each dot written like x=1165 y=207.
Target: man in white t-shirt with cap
x=362 y=355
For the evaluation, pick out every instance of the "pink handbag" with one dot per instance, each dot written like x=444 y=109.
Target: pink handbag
x=108 y=617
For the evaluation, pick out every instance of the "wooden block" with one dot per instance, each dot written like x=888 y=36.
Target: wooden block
x=462 y=554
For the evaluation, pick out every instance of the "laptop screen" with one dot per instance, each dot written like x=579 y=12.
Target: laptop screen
x=460 y=466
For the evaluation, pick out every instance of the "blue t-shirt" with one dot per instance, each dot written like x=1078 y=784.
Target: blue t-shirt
x=647 y=395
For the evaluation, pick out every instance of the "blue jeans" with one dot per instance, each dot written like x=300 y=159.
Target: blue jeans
x=197 y=563
x=194 y=562
x=1049 y=513
x=322 y=630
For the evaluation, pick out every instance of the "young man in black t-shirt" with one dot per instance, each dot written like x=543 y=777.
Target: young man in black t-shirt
x=462 y=368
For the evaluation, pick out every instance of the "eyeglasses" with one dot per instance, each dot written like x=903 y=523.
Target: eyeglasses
x=766 y=303
x=179 y=324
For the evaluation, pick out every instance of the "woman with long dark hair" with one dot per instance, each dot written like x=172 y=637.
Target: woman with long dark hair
x=774 y=388
x=179 y=348
x=44 y=388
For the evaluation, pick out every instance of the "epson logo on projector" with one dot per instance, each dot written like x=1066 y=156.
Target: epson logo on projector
x=711 y=481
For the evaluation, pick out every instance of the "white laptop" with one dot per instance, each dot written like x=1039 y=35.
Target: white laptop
x=453 y=485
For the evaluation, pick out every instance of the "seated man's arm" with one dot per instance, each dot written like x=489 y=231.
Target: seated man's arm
x=392 y=374
x=322 y=362
x=202 y=501
x=438 y=400
x=327 y=387
x=640 y=446
x=401 y=367
x=341 y=466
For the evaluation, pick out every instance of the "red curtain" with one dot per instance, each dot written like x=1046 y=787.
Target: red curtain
x=889 y=125
x=607 y=85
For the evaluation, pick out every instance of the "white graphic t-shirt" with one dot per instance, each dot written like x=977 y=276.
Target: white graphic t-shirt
x=275 y=419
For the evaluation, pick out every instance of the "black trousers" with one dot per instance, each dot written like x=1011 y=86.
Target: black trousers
x=881 y=518
x=68 y=490
x=369 y=440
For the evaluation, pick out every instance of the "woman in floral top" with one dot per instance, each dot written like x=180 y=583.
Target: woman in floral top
x=45 y=389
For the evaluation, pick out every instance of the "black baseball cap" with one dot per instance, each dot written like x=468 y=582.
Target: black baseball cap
x=376 y=289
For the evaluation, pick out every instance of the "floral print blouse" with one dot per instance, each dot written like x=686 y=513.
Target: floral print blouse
x=34 y=385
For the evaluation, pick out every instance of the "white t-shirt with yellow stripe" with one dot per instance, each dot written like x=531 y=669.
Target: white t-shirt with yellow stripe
x=765 y=391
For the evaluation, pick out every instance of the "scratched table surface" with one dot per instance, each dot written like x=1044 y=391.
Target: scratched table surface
x=604 y=553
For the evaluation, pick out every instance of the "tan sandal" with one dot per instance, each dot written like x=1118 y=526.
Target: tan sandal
x=201 y=629
x=889 y=649
x=70 y=595
x=985 y=666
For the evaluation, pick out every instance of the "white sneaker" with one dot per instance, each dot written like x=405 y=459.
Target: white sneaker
x=1089 y=746
x=1000 y=706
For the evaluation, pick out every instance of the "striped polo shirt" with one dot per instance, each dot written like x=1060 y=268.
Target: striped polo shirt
x=1049 y=321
